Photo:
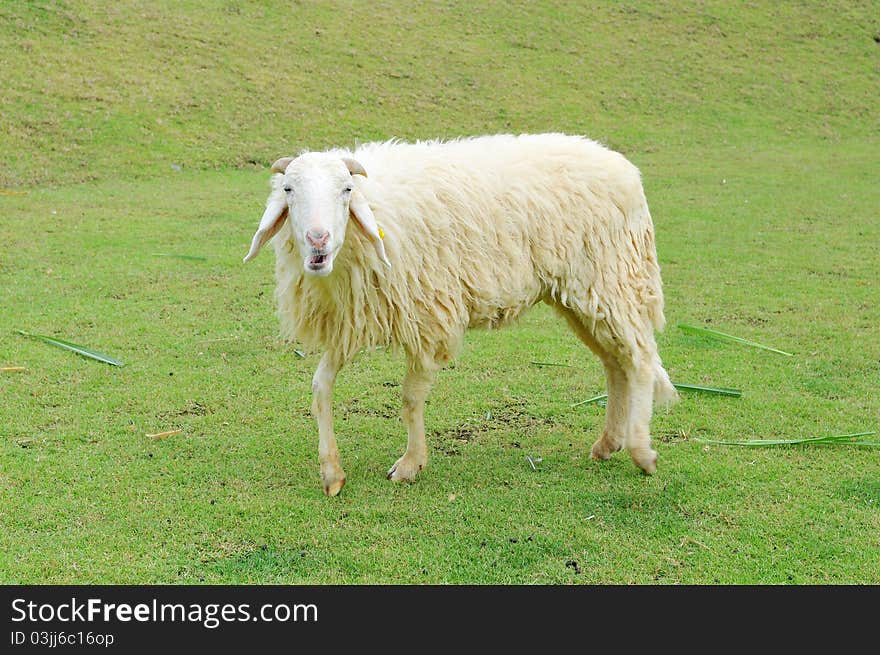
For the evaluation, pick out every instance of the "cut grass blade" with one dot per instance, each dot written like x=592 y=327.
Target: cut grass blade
x=594 y=399
x=715 y=334
x=12 y=368
x=85 y=352
x=534 y=460
x=548 y=364
x=162 y=435
x=599 y=400
x=194 y=258
x=846 y=439
x=717 y=390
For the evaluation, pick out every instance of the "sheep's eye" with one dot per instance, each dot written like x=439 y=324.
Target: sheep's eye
x=288 y=189
x=347 y=189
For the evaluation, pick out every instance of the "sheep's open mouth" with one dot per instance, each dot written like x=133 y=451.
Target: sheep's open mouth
x=317 y=262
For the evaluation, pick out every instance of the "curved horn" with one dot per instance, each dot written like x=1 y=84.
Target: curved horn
x=281 y=165
x=354 y=166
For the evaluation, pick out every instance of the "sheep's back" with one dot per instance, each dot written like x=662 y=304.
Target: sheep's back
x=507 y=220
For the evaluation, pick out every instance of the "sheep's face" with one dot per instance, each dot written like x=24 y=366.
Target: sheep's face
x=317 y=190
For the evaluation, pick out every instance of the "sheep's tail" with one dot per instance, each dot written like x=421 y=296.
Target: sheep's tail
x=664 y=392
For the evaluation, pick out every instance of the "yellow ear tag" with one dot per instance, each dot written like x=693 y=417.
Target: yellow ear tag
x=288 y=245
x=381 y=233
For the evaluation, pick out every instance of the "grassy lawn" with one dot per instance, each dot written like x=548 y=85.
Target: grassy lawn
x=136 y=131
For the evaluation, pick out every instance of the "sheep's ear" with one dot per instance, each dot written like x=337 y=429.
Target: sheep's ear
x=281 y=165
x=354 y=166
x=361 y=212
x=273 y=219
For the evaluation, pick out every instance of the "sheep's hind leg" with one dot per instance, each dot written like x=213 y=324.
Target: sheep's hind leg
x=416 y=386
x=640 y=387
x=332 y=475
x=614 y=433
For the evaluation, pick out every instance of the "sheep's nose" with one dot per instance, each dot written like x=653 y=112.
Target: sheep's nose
x=317 y=238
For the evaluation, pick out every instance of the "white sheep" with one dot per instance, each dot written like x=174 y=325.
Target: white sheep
x=467 y=233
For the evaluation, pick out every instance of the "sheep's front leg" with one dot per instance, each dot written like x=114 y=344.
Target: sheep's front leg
x=416 y=386
x=332 y=474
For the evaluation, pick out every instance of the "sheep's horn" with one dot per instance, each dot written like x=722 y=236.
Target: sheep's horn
x=281 y=165
x=273 y=219
x=354 y=166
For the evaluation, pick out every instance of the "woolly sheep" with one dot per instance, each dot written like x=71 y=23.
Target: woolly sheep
x=459 y=234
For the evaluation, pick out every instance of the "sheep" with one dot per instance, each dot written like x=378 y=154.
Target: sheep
x=467 y=233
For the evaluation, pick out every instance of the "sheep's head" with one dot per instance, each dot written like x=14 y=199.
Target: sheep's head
x=316 y=192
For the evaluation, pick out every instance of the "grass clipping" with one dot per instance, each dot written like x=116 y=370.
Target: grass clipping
x=80 y=350
x=721 y=336
x=721 y=391
x=854 y=439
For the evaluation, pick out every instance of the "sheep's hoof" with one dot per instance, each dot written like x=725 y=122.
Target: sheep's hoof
x=405 y=470
x=334 y=488
x=645 y=459
x=604 y=448
x=333 y=479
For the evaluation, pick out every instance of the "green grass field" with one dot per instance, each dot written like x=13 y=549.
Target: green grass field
x=135 y=131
